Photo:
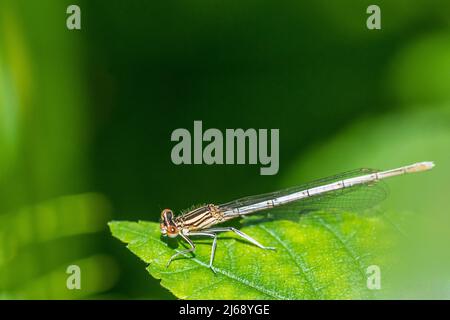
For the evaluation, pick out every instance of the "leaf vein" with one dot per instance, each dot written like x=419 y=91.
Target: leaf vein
x=342 y=241
x=301 y=265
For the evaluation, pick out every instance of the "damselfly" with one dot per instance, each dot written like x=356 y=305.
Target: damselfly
x=354 y=189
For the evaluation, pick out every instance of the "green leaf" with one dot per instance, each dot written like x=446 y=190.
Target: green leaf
x=321 y=257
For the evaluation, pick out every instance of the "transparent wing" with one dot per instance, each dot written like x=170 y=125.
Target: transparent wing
x=358 y=197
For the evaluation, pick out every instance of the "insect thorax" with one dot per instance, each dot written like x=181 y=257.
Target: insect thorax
x=200 y=218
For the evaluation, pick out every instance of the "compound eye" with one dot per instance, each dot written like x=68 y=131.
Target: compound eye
x=166 y=214
x=172 y=229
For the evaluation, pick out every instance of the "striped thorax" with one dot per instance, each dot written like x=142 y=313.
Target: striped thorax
x=197 y=219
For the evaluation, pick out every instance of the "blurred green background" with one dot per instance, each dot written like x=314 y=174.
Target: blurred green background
x=86 y=117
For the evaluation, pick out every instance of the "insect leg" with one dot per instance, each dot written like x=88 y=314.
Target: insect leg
x=191 y=249
x=241 y=234
x=213 y=248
